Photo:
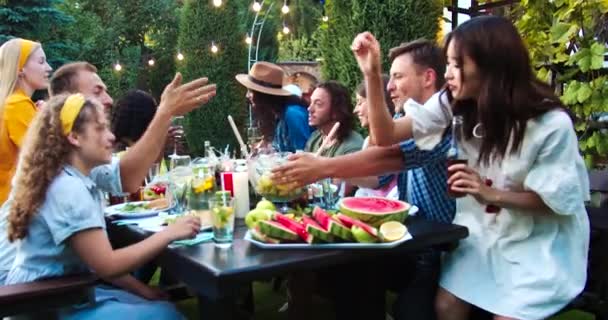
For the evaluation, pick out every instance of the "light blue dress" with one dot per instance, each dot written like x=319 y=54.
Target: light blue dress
x=74 y=203
x=105 y=177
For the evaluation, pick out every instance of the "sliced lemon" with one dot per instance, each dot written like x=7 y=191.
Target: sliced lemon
x=202 y=185
x=392 y=231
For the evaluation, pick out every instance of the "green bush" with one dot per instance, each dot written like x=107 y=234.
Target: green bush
x=392 y=21
x=567 y=42
x=201 y=23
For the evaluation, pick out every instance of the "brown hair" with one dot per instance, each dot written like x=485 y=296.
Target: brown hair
x=341 y=107
x=64 y=79
x=509 y=93
x=362 y=91
x=44 y=153
x=424 y=53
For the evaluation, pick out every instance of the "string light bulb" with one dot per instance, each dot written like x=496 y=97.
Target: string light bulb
x=285 y=8
x=180 y=56
x=256 y=6
x=117 y=67
x=248 y=39
x=217 y=3
x=285 y=29
x=151 y=62
x=214 y=47
x=325 y=18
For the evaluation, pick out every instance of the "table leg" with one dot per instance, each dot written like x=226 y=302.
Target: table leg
x=220 y=308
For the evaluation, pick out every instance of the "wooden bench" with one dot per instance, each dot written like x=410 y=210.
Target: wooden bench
x=43 y=297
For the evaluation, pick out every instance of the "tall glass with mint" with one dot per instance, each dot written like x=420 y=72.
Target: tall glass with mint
x=222 y=216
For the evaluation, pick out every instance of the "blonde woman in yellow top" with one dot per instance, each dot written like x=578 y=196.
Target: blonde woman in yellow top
x=23 y=70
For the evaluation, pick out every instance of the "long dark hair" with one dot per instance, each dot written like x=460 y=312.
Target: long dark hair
x=341 y=107
x=266 y=109
x=509 y=93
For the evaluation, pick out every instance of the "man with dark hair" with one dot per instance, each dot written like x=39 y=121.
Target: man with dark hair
x=331 y=103
x=416 y=75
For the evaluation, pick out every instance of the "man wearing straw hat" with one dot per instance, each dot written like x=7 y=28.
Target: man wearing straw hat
x=281 y=115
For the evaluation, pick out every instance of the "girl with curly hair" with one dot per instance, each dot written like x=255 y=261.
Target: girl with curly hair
x=57 y=216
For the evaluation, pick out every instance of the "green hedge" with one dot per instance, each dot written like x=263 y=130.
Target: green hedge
x=201 y=23
x=392 y=21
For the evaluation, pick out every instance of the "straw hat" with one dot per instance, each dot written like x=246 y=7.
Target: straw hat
x=264 y=77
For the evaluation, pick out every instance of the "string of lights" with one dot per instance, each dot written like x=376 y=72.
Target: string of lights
x=256 y=6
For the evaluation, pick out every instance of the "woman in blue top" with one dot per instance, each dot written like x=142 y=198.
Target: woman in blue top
x=282 y=117
x=57 y=212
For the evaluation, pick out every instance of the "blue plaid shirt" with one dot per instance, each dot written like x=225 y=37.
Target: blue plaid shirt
x=427 y=185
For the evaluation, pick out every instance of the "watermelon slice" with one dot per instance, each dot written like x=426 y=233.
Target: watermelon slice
x=369 y=229
x=346 y=220
x=321 y=217
x=332 y=224
x=292 y=225
x=374 y=210
x=259 y=236
x=316 y=231
x=274 y=229
x=363 y=235
x=339 y=230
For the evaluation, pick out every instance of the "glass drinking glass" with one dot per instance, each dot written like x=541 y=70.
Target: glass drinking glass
x=222 y=217
x=153 y=172
x=181 y=176
x=254 y=137
x=179 y=161
x=178 y=124
x=202 y=188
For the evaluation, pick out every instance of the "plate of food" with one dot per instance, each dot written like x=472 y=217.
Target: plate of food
x=361 y=223
x=138 y=209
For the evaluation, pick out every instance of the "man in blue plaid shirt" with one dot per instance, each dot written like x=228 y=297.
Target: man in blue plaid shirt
x=416 y=75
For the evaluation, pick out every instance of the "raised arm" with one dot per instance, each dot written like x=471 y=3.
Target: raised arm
x=384 y=131
x=177 y=99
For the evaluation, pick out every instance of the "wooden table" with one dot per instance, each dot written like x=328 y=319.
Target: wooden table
x=217 y=275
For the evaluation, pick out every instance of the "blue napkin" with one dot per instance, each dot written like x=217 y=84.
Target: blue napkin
x=200 y=238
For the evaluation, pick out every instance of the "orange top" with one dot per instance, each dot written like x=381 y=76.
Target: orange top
x=19 y=110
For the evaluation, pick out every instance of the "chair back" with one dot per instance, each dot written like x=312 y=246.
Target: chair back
x=598 y=180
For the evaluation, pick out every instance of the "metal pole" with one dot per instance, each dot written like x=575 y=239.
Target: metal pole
x=257 y=44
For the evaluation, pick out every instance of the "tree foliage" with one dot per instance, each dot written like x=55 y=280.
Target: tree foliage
x=38 y=20
x=195 y=39
x=302 y=44
x=567 y=44
x=392 y=21
x=130 y=32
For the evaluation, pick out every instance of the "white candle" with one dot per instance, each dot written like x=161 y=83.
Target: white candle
x=241 y=193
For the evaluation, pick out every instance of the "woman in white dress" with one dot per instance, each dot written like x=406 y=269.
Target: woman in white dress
x=525 y=182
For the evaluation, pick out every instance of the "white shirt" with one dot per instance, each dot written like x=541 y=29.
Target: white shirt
x=519 y=263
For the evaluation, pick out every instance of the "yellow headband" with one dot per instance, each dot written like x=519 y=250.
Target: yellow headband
x=70 y=110
x=27 y=47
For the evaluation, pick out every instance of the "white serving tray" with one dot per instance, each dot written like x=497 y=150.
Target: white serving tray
x=341 y=245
